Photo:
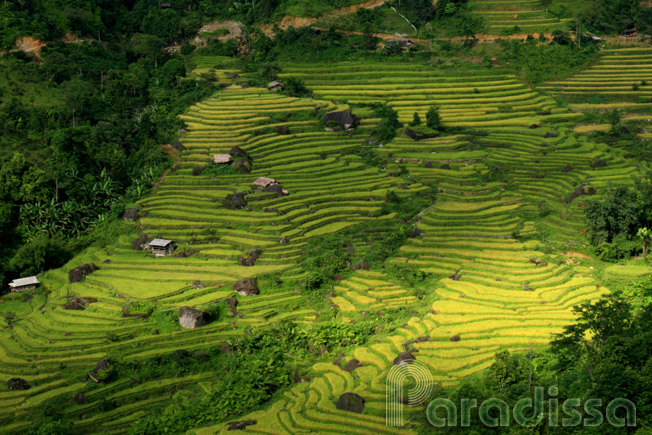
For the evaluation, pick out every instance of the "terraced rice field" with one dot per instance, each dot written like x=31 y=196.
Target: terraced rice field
x=611 y=77
x=479 y=99
x=528 y=15
x=502 y=281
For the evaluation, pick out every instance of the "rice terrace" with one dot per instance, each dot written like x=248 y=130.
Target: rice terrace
x=328 y=217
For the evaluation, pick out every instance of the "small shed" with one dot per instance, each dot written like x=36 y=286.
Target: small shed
x=22 y=284
x=161 y=247
x=264 y=182
x=275 y=86
x=405 y=44
x=221 y=159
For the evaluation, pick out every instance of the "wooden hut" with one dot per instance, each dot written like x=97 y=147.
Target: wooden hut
x=161 y=247
x=22 y=284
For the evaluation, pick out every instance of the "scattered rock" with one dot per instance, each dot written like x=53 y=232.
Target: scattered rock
x=102 y=371
x=343 y=120
x=429 y=164
x=579 y=192
x=534 y=126
x=284 y=241
x=233 y=305
x=352 y=365
x=417 y=136
x=240 y=425
x=527 y=288
x=549 y=134
x=445 y=166
x=79 y=273
x=242 y=165
x=282 y=129
x=455 y=338
x=191 y=318
x=15 y=384
x=131 y=215
x=198 y=285
x=80 y=398
x=251 y=260
x=567 y=169
x=197 y=171
x=415 y=233
x=155 y=332
x=598 y=163
x=141 y=242
x=79 y=303
x=177 y=145
x=236 y=201
x=364 y=265
x=107 y=261
x=247 y=287
x=351 y=402
x=404 y=358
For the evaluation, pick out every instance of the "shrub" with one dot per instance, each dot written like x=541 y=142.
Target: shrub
x=416 y=120
x=433 y=119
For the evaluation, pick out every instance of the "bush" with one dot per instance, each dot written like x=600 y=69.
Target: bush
x=433 y=119
x=416 y=120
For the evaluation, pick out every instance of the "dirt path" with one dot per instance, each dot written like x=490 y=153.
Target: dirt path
x=290 y=21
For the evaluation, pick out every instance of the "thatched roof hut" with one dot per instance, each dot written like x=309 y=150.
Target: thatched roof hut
x=221 y=158
x=264 y=182
x=275 y=86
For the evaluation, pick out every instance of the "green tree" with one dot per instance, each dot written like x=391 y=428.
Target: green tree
x=433 y=119
x=416 y=120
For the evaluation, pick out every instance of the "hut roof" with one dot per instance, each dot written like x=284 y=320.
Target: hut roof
x=264 y=182
x=30 y=280
x=159 y=243
x=274 y=84
x=400 y=42
x=221 y=158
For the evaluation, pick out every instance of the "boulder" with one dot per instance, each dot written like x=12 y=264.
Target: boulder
x=233 y=305
x=131 y=215
x=275 y=188
x=18 y=384
x=455 y=338
x=533 y=126
x=351 y=402
x=141 y=242
x=247 y=287
x=197 y=171
x=102 y=371
x=445 y=166
x=284 y=241
x=241 y=425
x=177 y=145
x=79 y=273
x=429 y=164
x=527 y=288
x=251 y=260
x=190 y=318
x=404 y=358
x=352 y=365
x=238 y=152
x=241 y=165
x=417 y=135
x=598 y=163
x=235 y=201
x=415 y=233
x=567 y=169
x=282 y=129
x=344 y=120
x=549 y=134
x=80 y=398
x=79 y=303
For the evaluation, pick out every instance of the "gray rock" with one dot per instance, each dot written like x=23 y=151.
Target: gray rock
x=191 y=318
x=247 y=287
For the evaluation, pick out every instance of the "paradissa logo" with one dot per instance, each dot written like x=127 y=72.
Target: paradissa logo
x=529 y=413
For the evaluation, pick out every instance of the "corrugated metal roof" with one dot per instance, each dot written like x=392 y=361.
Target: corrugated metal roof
x=159 y=243
x=30 y=280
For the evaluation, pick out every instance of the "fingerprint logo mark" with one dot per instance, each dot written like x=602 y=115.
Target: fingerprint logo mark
x=413 y=376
